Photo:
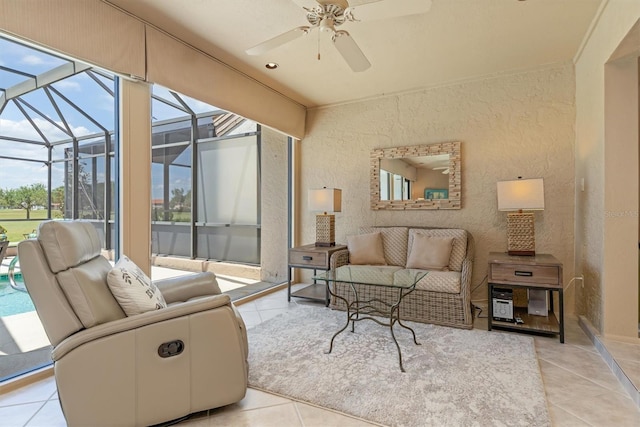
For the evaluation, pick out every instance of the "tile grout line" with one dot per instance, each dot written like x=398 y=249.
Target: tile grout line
x=572 y=414
x=295 y=407
x=585 y=378
x=614 y=367
x=35 y=413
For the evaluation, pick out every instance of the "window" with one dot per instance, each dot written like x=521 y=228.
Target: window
x=208 y=209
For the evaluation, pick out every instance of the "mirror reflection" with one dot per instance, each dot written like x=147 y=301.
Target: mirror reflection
x=411 y=178
x=416 y=177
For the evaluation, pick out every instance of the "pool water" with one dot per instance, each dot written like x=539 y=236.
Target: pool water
x=12 y=301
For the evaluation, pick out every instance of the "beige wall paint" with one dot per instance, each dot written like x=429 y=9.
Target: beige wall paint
x=597 y=245
x=273 y=243
x=135 y=170
x=511 y=125
x=621 y=199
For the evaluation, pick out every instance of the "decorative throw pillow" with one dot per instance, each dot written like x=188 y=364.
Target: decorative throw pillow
x=366 y=249
x=430 y=253
x=133 y=289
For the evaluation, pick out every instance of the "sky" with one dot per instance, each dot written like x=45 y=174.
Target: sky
x=81 y=90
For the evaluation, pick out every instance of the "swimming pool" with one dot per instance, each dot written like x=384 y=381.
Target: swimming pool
x=12 y=301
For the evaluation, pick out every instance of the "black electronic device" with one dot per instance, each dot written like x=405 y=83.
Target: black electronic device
x=502 y=302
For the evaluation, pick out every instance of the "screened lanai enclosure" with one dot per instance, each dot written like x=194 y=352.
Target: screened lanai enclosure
x=59 y=159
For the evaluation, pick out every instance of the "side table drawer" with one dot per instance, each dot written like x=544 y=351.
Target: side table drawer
x=539 y=274
x=308 y=259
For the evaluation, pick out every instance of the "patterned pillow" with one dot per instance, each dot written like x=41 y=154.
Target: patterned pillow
x=133 y=289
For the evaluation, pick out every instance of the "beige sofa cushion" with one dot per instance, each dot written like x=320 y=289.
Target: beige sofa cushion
x=67 y=244
x=394 y=241
x=441 y=281
x=85 y=287
x=459 y=249
x=430 y=253
x=366 y=249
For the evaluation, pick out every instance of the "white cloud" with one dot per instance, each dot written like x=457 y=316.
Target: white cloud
x=14 y=173
x=23 y=129
x=68 y=85
x=32 y=60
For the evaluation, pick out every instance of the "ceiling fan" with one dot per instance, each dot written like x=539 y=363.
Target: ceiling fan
x=444 y=169
x=326 y=15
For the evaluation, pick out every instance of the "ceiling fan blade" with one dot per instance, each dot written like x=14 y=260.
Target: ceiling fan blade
x=278 y=41
x=388 y=9
x=350 y=51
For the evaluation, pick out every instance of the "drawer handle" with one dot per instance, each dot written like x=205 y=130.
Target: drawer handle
x=307 y=258
x=524 y=273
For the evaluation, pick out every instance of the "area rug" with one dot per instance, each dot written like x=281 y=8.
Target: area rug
x=455 y=378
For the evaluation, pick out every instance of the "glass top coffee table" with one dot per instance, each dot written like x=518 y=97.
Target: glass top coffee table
x=399 y=282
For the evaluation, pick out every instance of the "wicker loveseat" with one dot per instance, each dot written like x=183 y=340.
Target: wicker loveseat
x=441 y=297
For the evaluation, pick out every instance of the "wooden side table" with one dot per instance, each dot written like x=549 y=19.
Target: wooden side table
x=540 y=272
x=315 y=258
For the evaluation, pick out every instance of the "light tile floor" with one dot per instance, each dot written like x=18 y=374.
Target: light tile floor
x=580 y=388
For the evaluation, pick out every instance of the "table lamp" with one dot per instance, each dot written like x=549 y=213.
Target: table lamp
x=517 y=196
x=325 y=200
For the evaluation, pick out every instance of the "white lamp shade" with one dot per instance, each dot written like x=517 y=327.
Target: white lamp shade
x=325 y=200
x=521 y=194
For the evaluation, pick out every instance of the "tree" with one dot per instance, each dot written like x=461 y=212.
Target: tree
x=27 y=197
x=57 y=198
x=177 y=201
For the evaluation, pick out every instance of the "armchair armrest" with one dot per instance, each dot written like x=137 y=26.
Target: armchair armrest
x=467 y=266
x=184 y=288
x=141 y=320
x=339 y=258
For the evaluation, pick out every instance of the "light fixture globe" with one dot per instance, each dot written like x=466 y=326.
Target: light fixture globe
x=327 y=25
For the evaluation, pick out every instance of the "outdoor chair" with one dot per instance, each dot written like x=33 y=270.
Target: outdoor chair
x=3 y=249
x=143 y=369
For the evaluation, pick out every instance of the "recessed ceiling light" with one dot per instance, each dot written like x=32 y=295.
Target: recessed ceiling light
x=271 y=65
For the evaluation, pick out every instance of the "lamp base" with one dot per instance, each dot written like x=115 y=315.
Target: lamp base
x=520 y=253
x=521 y=234
x=325 y=244
x=325 y=230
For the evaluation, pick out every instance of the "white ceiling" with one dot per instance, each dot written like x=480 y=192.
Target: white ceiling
x=456 y=40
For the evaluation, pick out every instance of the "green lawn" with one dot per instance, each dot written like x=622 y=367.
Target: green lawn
x=17 y=229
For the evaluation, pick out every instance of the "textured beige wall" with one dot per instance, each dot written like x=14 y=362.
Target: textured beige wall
x=620 y=280
x=595 y=211
x=511 y=125
x=273 y=244
x=135 y=169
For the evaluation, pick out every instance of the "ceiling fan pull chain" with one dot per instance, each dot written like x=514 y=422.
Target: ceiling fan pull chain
x=318 y=45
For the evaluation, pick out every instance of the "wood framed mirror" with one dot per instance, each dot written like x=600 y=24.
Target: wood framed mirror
x=416 y=177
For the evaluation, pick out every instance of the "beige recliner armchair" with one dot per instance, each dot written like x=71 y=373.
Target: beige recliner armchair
x=140 y=370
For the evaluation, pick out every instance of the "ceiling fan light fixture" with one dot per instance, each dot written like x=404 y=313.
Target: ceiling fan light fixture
x=327 y=24
x=329 y=14
x=271 y=65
